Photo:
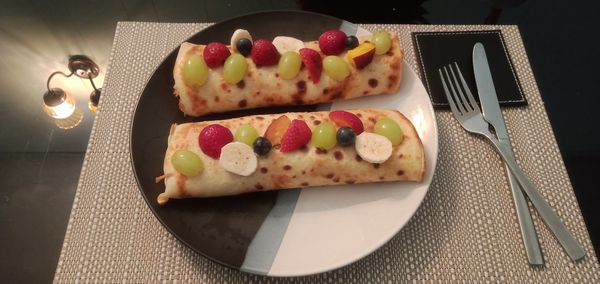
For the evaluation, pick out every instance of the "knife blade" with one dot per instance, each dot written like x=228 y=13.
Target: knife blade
x=493 y=115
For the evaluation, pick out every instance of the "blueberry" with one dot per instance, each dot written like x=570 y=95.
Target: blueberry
x=351 y=42
x=262 y=146
x=346 y=136
x=244 y=46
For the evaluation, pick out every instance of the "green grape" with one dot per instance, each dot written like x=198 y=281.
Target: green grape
x=187 y=163
x=289 y=65
x=390 y=129
x=235 y=68
x=246 y=134
x=195 y=71
x=336 y=68
x=382 y=42
x=323 y=136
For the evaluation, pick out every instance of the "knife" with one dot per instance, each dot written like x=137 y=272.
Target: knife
x=493 y=115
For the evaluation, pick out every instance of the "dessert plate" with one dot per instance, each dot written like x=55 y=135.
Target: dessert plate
x=288 y=232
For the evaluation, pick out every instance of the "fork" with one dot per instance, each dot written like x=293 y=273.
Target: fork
x=468 y=114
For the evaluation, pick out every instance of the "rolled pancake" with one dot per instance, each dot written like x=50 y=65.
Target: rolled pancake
x=263 y=86
x=306 y=167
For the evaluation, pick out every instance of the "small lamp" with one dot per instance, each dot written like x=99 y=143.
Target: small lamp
x=59 y=104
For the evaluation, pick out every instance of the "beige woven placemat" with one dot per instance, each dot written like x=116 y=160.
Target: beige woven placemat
x=465 y=230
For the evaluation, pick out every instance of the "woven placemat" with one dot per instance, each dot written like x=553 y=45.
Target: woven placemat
x=466 y=229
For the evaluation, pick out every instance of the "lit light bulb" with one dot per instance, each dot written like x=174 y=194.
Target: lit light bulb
x=59 y=104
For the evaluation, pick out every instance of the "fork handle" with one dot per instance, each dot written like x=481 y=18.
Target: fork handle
x=568 y=242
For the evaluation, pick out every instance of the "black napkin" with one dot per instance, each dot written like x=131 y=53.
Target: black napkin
x=437 y=49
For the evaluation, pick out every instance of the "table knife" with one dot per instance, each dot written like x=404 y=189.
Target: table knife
x=493 y=115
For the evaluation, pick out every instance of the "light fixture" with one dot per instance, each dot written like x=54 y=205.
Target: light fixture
x=59 y=104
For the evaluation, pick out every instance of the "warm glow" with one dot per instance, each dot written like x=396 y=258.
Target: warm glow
x=63 y=110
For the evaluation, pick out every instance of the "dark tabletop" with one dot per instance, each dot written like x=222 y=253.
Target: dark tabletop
x=40 y=163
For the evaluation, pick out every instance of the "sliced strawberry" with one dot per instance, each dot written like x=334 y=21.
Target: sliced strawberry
x=212 y=138
x=215 y=54
x=332 y=42
x=296 y=136
x=264 y=53
x=276 y=129
x=312 y=60
x=343 y=118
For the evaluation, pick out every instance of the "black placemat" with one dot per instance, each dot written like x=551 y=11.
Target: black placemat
x=436 y=49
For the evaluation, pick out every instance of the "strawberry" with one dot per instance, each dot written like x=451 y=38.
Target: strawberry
x=215 y=54
x=212 y=138
x=332 y=42
x=264 y=53
x=296 y=136
x=343 y=118
x=276 y=129
x=312 y=60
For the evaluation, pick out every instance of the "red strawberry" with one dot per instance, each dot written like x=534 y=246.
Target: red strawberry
x=212 y=138
x=264 y=53
x=343 y=118
x=296 y=136
x=312 y=60
x=332 y=42
x=215 y=54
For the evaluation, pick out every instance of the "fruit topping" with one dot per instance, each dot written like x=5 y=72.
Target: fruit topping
x=382 y=41
x=312 y=60
x=323 y=136
x=335 y=67
x=289 y=65
x=235 y=68
x=262 y=146
x=246 y=134
x=276 y=129
x=264 y=53
x=238 y=35
x=187 y=163
x=344 y=118
x=238 y=158
x=345 y=136
x=332 y=42
x=212 y=138
x=244 y=46
x=351 y=42
x=296 y=136
x=362 y=55
x=373 y=148
x=286 y=43
x=195 y=71
x=215 y=54
x=390 y=129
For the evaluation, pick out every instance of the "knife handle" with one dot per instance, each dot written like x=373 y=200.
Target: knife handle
x=568 y=242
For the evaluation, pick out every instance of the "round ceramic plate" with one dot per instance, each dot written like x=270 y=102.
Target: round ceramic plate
x=288 y=232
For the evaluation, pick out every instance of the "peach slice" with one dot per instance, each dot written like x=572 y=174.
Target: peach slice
x=276 y=129
x=362 y=55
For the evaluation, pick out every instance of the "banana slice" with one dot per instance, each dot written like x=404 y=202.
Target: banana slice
x=286 y=43
x=238 y=158
x=373 y=148
x=237 y=35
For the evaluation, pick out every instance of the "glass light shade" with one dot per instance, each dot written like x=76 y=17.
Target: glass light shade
x=59 y=104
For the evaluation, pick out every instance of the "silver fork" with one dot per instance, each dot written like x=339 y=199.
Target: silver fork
x=468 y=114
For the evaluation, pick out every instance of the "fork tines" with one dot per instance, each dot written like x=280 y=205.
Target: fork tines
x=459 y=104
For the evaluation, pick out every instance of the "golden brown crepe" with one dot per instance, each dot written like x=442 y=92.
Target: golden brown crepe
x=306 y=167
x=263 y=87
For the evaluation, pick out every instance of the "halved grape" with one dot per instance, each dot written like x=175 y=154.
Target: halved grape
x=323 y=136
x=289 y=65
x=187 y=163
x=382 y=41
x=235 y=68
x=390 y=129
x=335 y=67
x=195 y=71
x=246 y=134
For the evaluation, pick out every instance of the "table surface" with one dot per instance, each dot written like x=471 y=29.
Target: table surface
x=41 y=163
